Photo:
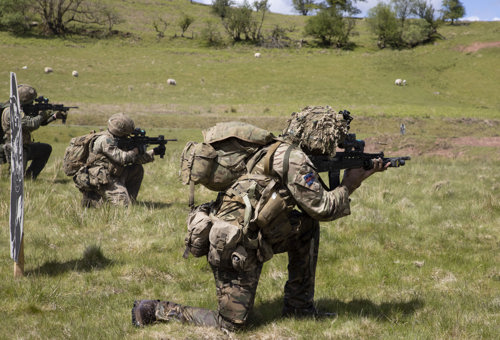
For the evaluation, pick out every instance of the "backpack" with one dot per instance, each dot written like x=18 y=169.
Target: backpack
x=221 y=158
x=77 y=152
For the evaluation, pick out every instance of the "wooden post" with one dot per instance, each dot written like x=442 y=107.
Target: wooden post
x=19 y=265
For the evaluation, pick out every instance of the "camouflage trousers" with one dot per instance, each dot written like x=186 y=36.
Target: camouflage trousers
x=120 y=190
x=236 y=290
x=37 y=153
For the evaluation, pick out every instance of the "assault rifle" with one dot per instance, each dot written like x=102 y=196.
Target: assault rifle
x=352 y=157
x=42 y=104
x=138 y=139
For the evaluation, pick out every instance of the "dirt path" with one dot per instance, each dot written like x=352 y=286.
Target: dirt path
x=479 y=45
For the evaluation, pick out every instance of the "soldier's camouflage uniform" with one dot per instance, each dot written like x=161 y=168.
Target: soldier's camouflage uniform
x=37 y=153
x=236 y=288
x=116 y=174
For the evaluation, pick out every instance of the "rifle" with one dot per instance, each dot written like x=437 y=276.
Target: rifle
x=352 y=157
x=42 y=104
x=138 y=139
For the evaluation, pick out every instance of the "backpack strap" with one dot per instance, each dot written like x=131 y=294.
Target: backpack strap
x=268 y=158
x=286 y=163
x=191 y=194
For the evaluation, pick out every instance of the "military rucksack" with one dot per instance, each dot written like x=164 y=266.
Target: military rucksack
x=77 y=152
x=221 y=159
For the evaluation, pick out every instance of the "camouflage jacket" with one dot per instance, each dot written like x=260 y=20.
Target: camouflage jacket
x=105 y=153
x=303 y=187
x=28 y=123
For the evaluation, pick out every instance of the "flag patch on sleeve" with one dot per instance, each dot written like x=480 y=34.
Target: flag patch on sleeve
x=309 y=178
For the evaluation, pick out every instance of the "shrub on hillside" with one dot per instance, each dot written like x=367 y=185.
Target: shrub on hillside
x=330 y=27
x=15 y=15
x=393 y=28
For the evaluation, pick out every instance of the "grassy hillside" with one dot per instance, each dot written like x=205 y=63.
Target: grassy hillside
x=417 y=259
x=129 y=74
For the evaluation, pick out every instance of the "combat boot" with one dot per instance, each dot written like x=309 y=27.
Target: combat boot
x=144 y=312
x=311 y=312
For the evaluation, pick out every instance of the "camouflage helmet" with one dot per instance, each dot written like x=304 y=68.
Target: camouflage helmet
x=318 y=130
x=26 y=94
x=120 y=125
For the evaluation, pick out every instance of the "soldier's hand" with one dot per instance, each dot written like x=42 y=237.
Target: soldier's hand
x=354 y=177
x=46 y=115
x=159 y=150
x=60 y=115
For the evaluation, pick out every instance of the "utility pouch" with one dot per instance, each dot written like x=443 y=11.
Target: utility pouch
x=98 y=175
x=224 y=238
x=274 y=206
x=273 y=219
x=239 y=258
x=199 y=224
x=82 y=180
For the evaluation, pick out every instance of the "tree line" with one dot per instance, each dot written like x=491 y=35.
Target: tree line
x=395 y=23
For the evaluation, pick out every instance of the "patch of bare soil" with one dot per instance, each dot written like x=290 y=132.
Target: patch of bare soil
x=445 y=147
x=474 y=47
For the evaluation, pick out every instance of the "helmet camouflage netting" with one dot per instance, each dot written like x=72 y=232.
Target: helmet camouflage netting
x=317 y=130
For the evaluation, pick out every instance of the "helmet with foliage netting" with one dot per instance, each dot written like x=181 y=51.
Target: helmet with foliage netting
x=318 y=130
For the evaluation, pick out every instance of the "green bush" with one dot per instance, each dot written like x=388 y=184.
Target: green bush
x=330 y=27
x=15 y=16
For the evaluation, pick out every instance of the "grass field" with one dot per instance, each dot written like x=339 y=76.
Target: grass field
x=417 y=259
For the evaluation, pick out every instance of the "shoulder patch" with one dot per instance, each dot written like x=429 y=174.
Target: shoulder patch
x=310 y=178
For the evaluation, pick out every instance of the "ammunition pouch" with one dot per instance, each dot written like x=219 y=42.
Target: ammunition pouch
x=199 y=224
x=91 y=178
x=224 y=238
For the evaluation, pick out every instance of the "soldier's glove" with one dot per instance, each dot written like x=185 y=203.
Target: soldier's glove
x=60 y=115
x=160 y=150
x=47 y=117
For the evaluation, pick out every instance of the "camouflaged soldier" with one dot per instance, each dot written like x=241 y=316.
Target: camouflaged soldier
x=113 y=174
x=37 y=153
x=282 y=180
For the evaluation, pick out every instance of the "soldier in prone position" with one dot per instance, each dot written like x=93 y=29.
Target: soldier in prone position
x=290 y=181
x=37 y=153
x=113 y=174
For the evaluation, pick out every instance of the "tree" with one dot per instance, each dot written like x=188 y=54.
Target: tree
x=303 y=6
x=57 y=14
x=452 y=10
x=221 y=7
x=184 y=22
x=426 y=11
x=261 y=7
x=384 y=23
x=403 y=9
x=330 y=27
x=345 y=6
x=395 y=25
x=15 y=15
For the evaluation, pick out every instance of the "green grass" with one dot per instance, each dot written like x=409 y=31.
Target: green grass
x=417 y=259
x=129 y=74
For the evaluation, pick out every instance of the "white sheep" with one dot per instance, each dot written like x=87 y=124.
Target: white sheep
x=48 y=70
x=74 y=73
x=398 y=82
x=171 y=81
x=404 y=82
x=257 y=55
